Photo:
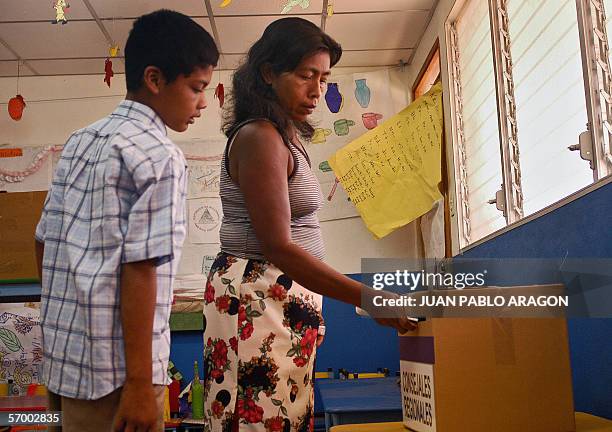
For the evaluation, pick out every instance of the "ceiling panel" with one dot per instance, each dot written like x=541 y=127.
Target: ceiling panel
x=77 y=66
x=372 y=30
x=374 y=58
x=387 y=5
x=120 y=29
x=9 y=68
x=230 y=61
x=37 y=10
x=75 y=39
x=5 y=54
x=135 y=8
x=237 y=34
x=263 y=7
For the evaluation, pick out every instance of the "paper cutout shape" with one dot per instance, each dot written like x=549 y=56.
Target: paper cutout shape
x=15 y=107
x=333 y=98
x=370 y=120
x=392 y=173
x=60 y=7
x=319 y=136
x=108 y=71
x=220 y=94
x=113 y=51
x=341 y=127
x=332 y=192
x=324 y=166
x=362 y=93
x=225 y=3
x=330 y=9
x=205 y=220
x=292 y=3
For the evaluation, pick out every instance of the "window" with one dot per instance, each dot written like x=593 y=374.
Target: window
x=518 y=71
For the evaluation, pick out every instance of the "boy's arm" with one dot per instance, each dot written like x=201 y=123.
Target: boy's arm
x=138 y=293
x=40 y=252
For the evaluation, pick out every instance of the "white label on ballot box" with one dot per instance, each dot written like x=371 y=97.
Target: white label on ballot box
x=418 y=398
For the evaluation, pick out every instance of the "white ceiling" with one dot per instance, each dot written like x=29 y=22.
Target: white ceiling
x=371 y=32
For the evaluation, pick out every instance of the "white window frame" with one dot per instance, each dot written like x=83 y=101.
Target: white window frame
x=597 y=73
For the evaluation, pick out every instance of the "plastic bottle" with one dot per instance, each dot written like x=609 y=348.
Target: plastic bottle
x=197 y=394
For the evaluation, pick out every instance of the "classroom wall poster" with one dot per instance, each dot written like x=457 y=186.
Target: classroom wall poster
x=352 y=105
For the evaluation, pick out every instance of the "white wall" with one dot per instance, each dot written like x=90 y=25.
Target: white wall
x=47 y=120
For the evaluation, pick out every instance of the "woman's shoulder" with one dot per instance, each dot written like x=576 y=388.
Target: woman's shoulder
x=259 y=133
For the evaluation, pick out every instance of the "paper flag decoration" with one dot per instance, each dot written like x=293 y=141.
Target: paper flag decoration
x=112 y=51
x=225 y=3
x=108 y=71
x=60 y=7
x=220 y=94
x=292 y=3
x=16 y=106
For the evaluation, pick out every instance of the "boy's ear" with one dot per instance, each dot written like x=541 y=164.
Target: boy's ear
x=266 y=73
x=153 y=78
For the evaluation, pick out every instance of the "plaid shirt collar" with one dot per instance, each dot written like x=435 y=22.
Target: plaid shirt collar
x=140 y=112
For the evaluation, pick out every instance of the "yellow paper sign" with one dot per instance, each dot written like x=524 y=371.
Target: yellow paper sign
x=391 y=173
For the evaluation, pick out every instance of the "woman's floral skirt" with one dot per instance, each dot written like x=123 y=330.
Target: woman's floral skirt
x=259 y=348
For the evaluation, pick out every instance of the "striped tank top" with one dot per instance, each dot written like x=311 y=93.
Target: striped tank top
x=237 y=234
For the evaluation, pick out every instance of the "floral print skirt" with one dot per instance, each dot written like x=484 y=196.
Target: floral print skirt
x=259 y=348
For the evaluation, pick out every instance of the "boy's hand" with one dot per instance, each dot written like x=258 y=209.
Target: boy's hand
x=138 y=409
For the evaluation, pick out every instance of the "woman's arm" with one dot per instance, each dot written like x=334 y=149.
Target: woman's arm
x=259 y=163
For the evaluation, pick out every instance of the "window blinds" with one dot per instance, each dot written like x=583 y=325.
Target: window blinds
x=479 y=116
x=550 y=100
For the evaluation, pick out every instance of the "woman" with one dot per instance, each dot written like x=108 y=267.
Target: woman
x=264 y=292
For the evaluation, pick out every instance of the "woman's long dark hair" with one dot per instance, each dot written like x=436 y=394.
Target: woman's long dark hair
x=282 y=46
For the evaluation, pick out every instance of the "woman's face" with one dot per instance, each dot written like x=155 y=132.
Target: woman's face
x=299 y=91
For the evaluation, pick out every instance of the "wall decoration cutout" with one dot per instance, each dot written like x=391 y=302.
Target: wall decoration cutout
x=370 y=120
x=293 y=3
x=60 y=7
x=113 y=51
x=205 y=220
x=320 y=135
x=362 y=92
x=341 y=127
x=108 y=71
x=330 y=8
x=220 y=93
x=324 y=167
x=383 y=97
x=333 y=98
x=15 y=107
x=225 y=3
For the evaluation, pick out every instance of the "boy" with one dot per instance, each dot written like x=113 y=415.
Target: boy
x=109 y=240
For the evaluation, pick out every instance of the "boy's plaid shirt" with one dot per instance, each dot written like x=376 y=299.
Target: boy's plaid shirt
x=118 y=196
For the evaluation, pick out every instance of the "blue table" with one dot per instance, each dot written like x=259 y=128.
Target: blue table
x=359 y=400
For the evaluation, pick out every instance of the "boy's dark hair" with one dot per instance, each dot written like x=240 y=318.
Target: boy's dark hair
x=173 y=42
x=283 y=45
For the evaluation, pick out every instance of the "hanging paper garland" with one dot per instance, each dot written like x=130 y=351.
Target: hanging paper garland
x=292 y=3
x=61 y=7
x=35 y=166
x=16 y=106
x=220 y=93
x=108 y=71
